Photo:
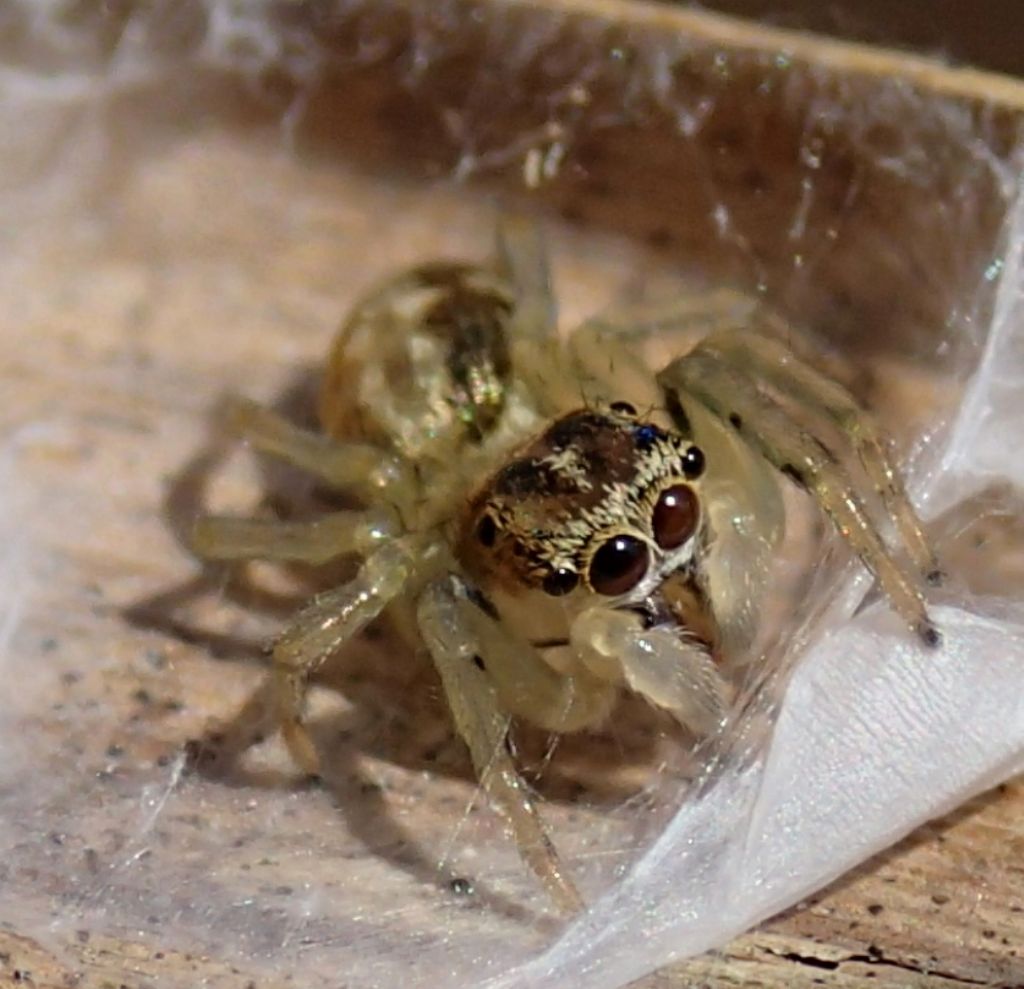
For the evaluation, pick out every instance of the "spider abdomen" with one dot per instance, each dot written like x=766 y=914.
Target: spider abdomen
x=423 y=361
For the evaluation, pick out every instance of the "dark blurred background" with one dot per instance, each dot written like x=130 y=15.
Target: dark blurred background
x=988 y=34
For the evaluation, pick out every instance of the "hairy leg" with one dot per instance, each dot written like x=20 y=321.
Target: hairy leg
x=522 y=258
x=741 y=491
x=735 y=398
x=483 y=723
x=528 y=687
x=765 y=359
x=694 y=315
x=742 y=502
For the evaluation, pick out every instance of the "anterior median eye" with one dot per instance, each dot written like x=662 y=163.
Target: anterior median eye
x=619 y=565
x=675 y=516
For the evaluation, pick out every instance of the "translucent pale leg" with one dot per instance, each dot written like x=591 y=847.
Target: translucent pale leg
x=699 y=313
x=765 y=359
x=536 y=350
x=249 y=726
x=766 y=426
x=523 y=260
x=528 y=686
x=660 y=663
x=745 y=513
x=323 y=626
x=363 y=469
x=316 y=541
x=607 y=367
x=606 y=349
x=482 y=722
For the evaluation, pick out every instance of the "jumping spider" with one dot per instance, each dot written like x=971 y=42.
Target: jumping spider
x=545 y=541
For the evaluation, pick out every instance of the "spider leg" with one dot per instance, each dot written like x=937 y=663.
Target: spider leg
x=746 y=520
x=318 y=541
x=483 y=723
x=522 y=258
x=527 y=685
x=672 y=671
x=740 y=490
x=535 y=347
x=323 y=626
x=766 y=359
x=765 y=425
x=363 y=469
x=225 y=743
x=607 y=352
x=698 y=313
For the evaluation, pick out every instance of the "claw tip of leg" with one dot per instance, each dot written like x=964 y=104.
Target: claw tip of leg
x=929 y=634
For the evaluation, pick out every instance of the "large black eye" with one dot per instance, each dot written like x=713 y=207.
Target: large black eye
x=619 y=565
x=675 y=516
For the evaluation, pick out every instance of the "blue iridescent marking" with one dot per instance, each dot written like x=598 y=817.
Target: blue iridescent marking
x=647 y=435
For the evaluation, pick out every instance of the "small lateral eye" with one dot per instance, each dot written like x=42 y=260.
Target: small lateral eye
x=624 y=408
x=486 y=530
x=693 y=462
x=618 y=565
x=675 y=516
x=560 y=581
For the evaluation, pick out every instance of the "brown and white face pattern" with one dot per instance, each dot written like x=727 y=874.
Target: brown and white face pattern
x=601 y=502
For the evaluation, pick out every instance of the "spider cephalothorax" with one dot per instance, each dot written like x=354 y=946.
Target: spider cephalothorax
x=549 y=556
x=601 y=501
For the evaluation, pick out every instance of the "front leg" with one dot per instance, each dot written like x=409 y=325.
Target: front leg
x=609 y=350
x=767 y=360
x=537 y=352
x=760 y=421
x=483 y=724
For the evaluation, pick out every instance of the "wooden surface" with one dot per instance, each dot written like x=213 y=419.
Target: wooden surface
x=195 y=255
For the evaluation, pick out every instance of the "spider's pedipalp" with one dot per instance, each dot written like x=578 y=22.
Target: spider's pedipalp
x=673 y=671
